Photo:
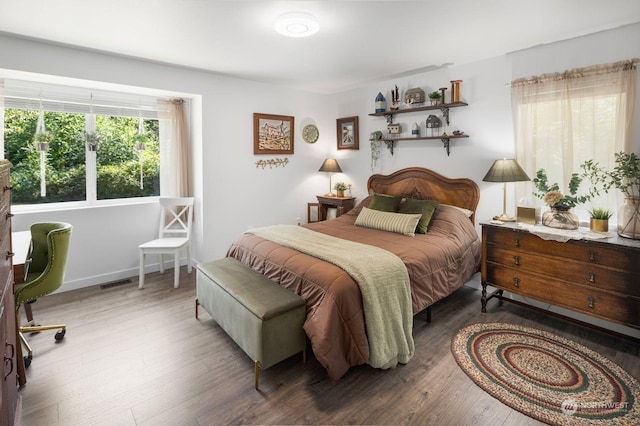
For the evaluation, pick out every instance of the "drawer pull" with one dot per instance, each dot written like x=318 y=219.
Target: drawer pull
x=8 y=361
x=6 y=188
x=516 y=260
x=516 y=282
x=10 y=215
x=517 y=241
x=592 y=277
x=10 y=254
x=592 y=255
x=591 y=301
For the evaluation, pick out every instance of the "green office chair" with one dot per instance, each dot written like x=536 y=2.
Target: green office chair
x=45 y=267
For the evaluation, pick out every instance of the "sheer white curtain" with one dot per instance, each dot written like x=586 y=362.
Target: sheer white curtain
x=175 y=149
x=564 y=119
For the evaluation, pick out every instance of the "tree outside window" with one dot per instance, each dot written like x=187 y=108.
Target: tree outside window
x=118 y=164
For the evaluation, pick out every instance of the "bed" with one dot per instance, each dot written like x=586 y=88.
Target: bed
x=438 y=262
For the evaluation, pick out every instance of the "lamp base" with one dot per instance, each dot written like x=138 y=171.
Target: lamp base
x=504 y=218
x=329 y=194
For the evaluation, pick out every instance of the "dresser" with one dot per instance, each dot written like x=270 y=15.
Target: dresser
x=8 y=341
x=599 y=278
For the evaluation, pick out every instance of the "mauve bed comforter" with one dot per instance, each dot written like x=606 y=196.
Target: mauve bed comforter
x=438 y=263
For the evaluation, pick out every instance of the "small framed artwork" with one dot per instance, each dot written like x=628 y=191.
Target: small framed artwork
x=347 y=133
x=313 y=212
x=272 y=134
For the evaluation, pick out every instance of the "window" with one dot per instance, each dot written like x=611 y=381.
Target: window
x=125 y=162
x=564 y=119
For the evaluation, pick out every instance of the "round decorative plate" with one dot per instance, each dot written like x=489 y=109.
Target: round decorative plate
x=310 y=133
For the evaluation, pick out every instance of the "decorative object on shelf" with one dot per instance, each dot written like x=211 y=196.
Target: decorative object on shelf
x=375 y=139
x=310 y=133
x=414 y=97
x=273 y=162
x=599 y=219
x=347 y=132
x=340 y=187
x=455 y=91
x=381 y=103
x=435 y=97
x=625 y=176
x=330 y=165
x=433 y=125
x=559 y=216
x=505 y=170
x=395 y=99
x=458 y=133
x=394 y=129
x=415 y=130
x=272 y=134
x=442 y=90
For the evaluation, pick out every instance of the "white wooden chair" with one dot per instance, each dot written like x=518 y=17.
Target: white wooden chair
x=176 y=218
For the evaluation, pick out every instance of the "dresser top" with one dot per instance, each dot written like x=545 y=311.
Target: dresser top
x=581 y=234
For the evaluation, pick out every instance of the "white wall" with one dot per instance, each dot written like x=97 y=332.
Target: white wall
x=233 y=194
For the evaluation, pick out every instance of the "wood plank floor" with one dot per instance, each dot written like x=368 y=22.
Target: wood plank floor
x=139 y=357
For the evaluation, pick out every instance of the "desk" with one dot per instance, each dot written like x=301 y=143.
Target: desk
x=20 y=242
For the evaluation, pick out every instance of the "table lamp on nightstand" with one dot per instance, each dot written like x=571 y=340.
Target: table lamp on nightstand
x=330 y=165
x=505 y=171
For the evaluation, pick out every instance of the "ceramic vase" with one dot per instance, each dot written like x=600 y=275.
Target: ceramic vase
x=629 y=218
x=560 y=218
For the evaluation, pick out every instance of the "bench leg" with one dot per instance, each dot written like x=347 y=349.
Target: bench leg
x=197 y=304
x=257 y=374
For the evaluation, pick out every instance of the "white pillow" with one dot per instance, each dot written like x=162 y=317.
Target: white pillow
x=387 y=221
x=467 y=212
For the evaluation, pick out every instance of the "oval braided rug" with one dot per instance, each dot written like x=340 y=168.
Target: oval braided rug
x=546 y=376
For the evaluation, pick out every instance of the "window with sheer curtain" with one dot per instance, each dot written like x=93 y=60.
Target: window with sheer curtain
x=563 y=119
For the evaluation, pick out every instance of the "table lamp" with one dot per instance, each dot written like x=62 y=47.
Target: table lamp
x=330 y=165
x=505 y=171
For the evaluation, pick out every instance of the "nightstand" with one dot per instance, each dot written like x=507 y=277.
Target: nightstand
x=342 y=205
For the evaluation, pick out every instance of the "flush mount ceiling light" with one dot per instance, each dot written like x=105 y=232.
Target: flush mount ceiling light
x=297 y=24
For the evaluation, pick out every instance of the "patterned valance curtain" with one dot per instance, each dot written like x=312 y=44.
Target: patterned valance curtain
x=563 y=119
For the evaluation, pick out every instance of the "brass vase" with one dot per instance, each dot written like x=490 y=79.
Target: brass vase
x=599 y=225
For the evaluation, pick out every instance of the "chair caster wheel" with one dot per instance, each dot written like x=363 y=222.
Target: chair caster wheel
x=27 y=361
x=60 y=334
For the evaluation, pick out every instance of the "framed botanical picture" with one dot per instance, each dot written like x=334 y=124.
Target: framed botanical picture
x=347 y=133
x=272 y=134
x=313 y=212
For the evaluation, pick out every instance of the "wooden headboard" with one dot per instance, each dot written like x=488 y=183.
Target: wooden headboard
x=422 y=184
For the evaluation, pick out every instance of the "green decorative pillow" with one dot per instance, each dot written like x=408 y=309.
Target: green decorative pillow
x=386 y=221
x=384 y=203
x=426 y=208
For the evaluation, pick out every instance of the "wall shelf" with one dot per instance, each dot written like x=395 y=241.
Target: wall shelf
x=390 y=142
x=446 y=139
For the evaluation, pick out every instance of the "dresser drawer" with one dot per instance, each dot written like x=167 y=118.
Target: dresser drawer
x=591 y=301
x=586 y=273
x=609 y=255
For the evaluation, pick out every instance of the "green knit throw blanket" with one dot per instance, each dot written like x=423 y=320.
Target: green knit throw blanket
x=383 y=281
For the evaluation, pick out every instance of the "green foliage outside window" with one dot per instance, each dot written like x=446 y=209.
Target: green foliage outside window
x=118 y=168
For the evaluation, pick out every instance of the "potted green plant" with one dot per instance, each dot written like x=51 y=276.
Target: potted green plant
x=560 y=204
x=435 y=97
x=599 y=219
x=340 y=187
x=625 y=176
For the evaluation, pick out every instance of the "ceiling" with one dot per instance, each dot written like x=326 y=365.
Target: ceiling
x=359 y=42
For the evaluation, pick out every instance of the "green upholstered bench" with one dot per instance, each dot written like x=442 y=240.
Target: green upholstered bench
x=262 y=317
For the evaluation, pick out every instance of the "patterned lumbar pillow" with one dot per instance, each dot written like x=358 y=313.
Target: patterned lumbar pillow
x=386 y=221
